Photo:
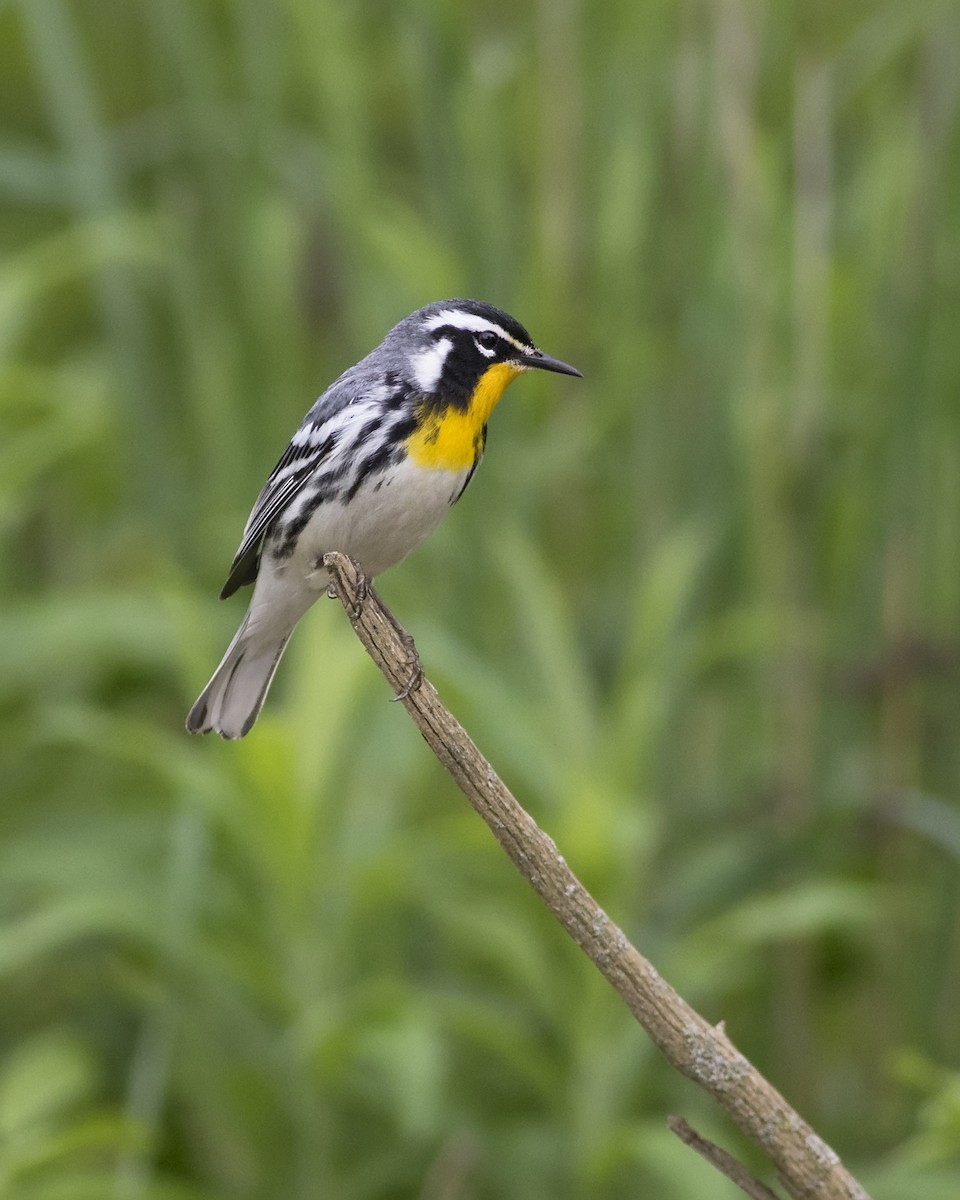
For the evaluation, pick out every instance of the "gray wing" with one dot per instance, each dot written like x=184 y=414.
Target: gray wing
x=313 y=442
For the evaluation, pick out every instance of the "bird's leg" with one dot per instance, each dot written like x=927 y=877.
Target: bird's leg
x=412 y=661
x=363 y=589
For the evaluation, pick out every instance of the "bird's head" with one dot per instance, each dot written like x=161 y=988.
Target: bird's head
x=463 y=353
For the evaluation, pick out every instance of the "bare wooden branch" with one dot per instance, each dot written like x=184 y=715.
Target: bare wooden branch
x=725 y=1163
x=808 y=1167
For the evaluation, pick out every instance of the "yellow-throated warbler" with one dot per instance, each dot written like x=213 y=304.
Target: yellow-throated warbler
x=377 y=461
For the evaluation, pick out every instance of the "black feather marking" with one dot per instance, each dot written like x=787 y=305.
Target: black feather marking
x=403 y=429
x=304 y=459
x=272 y=500
x=367 y=430
x=398 y=392
x=479 y=445
x=379 y=460
x=284 y=538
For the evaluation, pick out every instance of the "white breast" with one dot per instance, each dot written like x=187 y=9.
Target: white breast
x=389 y=516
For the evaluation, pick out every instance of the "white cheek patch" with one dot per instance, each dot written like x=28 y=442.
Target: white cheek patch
x=427 y=366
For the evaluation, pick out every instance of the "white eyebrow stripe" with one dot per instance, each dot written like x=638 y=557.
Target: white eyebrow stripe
x=474 y=324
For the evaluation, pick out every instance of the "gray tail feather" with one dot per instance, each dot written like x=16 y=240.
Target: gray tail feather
x=231 y=701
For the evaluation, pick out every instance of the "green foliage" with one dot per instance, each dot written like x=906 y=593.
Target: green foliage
x=700 y=608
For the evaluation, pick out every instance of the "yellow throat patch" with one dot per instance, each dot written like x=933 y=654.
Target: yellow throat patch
x=452 y=439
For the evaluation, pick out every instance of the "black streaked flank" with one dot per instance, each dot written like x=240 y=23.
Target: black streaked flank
x=283 y=538
x=378 y=461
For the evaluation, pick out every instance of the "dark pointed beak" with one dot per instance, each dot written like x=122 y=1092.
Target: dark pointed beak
x=544 y=362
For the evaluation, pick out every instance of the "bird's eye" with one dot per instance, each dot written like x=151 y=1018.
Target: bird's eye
x=487 y=340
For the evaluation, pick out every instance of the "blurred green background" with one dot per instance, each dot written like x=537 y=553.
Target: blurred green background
x=700 y=608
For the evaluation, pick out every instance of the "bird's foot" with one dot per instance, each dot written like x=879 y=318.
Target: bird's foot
x=363 y=590
x=355 y=609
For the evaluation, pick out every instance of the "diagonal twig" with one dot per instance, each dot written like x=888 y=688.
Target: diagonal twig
x=703 y=1052
x=725 y=1163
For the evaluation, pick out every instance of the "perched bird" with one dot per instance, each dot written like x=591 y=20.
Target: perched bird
x=375 y=464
